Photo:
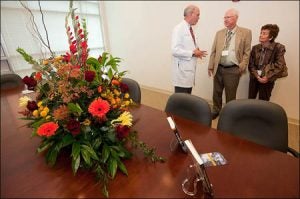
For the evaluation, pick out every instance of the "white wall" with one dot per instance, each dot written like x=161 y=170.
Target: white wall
x=140 y=33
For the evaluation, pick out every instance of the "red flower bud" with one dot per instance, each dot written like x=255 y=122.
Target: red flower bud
x=79 y=31
x=76 y=17
x=89 y=75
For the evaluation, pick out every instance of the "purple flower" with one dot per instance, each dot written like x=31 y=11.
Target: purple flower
x=124 y=87
x=30 y=82
x=89 y=75
x=122 y=131
x=32 y=105
x=73 y=126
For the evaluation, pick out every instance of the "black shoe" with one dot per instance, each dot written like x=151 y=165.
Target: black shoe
x=214 y=115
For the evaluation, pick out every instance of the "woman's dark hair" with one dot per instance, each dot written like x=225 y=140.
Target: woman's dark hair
x=274 y=30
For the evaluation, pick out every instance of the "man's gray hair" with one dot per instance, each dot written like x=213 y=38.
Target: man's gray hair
x=234 y=11
x=189 y=10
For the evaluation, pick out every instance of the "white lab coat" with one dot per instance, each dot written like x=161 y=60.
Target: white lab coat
x=184 y=64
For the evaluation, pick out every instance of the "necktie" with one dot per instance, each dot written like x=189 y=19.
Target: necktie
x=228 y=38
x=192 y=33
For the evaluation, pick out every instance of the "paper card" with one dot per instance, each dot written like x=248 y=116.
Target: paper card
x=225 y=53
x=213 y=159
x=27 y=91
x=193 y=151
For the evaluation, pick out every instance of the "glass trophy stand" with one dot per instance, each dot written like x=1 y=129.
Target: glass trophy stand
x=196 y=176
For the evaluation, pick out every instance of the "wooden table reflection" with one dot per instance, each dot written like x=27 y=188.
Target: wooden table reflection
x=252 y=170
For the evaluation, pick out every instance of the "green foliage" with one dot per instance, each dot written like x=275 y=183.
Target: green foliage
x=27 y=57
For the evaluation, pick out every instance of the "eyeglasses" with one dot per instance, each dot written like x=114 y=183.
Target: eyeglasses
x=228 y=17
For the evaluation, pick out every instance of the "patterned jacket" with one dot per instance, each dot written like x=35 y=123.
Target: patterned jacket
x=272 y=64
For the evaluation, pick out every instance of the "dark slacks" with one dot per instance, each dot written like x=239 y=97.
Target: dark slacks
x=228 y=79
x=183 y=90
x=264 y=90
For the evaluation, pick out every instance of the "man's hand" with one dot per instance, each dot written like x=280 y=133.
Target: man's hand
x=198 y=53
x=210 y=72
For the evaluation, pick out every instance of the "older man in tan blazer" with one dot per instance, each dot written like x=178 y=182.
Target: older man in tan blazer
x=228 y=60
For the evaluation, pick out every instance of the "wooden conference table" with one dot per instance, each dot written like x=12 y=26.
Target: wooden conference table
x=252 y=170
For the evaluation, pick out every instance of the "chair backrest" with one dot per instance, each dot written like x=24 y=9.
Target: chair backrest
x=190 y=107
x=134 y=89
x=259 y=121
x=11 y=81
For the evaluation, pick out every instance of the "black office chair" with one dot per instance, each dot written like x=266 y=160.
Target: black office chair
x=134 y=89
x=190 y=107
x=259 y=121
x=11 y=81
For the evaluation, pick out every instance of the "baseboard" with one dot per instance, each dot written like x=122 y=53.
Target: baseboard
x=291 y=121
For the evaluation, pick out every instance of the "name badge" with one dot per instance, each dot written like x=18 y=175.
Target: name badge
x=259 y=72
x=225 y=53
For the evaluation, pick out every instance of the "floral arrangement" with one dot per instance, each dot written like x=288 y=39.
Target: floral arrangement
x=82 y=107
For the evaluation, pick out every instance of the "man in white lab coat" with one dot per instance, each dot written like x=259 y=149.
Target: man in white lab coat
x=185 y=51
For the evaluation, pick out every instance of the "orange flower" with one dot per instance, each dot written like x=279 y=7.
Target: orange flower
x=115 y=82
x=99 y=89
x=99 y=108
x=38 y=76
x=47 y=129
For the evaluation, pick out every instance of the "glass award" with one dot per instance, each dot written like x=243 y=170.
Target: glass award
x=196 y=173
x=177 y=135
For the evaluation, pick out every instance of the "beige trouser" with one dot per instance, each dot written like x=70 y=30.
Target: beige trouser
x=227 y=78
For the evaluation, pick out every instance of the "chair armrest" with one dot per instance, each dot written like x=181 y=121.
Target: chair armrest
x=293 y=152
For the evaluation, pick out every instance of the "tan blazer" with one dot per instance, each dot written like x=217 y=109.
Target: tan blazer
x=243 y=39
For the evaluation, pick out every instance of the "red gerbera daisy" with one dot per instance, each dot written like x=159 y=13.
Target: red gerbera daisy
x=48 y=129
x=99 y=107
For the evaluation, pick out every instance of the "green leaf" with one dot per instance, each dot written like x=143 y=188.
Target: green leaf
x=26 y=56
x=111 y=136
x=105 y=153
x=45 y=145
x=75 y=164
x=75 y=150
x=52 y=155
x=112 y=167
x=38 y=123
x=86 y=156
x=94 y=62
x=97 y=142
x=122 y=167
x=74 y=108
x=110 y=73
x=90 y=151
x=104 y=191
x=67 y=140
x=104 y=58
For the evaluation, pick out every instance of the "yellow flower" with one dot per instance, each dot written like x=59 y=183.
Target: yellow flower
x=23 y=101
x=41 y=108
x=46 y=109
x=48 y=117
x=126 y=95
x=43 y=113
x=125 y=119
x=86 y=122
x=35 y=113
x=127 y=103
x=45 y=62
x=116 y=92
x=40 y=103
